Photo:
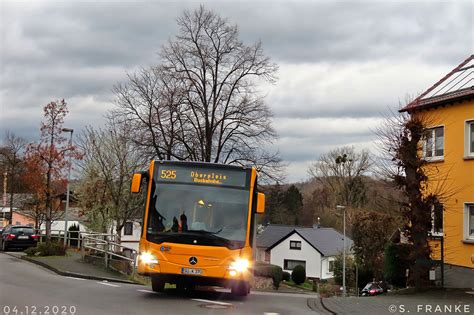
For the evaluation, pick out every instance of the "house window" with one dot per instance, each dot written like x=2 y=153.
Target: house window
x=295 y=245
x=437 y=218
x=470 y=221
x=128 y=229
x=291 y=264
x=267 y=256
x=469 y=138
x=331 y=266
x=433 y=145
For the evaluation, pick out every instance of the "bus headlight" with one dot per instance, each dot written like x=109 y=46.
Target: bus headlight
x=148 y=258
x=240 y=265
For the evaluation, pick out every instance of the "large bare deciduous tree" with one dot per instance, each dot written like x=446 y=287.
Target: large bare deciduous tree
x=202 y=102
x=342 y=170
x=108 y=162
x=402 y=138
x=11 y=157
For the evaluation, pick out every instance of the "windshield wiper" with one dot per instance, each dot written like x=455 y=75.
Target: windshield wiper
x=205 y=232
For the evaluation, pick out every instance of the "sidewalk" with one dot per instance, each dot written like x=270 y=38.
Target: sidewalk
x=72 y=265
x=436 y=301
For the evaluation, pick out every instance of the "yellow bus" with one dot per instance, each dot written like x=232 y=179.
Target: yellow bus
x=198 y=226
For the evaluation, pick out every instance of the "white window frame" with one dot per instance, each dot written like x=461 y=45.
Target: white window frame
x=467 y=138
x=467 y=235
x=285 y=263
x=296 y=243
x=433 y=232
x=333 y=261
x=433 y=156
x=124 y=229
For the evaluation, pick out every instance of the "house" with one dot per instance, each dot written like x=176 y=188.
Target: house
x=313 y=247
x=448 y=147
x=131 y=232
x=19 y=218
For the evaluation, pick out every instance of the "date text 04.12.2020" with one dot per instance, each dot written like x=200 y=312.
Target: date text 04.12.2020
x=39 y=310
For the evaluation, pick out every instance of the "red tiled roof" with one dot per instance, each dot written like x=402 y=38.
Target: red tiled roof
x=455 y=86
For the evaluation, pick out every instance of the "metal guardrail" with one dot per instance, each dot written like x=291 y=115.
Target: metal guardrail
x=106 y=244
x=94 y=242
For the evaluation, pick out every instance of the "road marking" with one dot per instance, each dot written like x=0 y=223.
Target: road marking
x=209 y=301
x=146 y=291
x=267 y=313
x=81 y=279
x=109 y=284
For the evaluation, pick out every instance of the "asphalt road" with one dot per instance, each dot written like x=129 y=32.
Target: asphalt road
x=26 y=288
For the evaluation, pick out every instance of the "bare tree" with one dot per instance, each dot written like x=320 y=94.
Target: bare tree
x=109 y=159
x=11 y=154
x=202 y=102
x=402 y=138
x=153 y=101
x=48 y=158
x=342 y=171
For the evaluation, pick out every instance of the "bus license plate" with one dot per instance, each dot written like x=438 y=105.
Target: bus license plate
x=191 y=271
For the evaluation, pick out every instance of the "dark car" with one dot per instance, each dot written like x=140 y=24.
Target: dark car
x=372 y=288
x=18 y=236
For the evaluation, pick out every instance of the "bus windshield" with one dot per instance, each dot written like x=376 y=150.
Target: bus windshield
x=189 y=213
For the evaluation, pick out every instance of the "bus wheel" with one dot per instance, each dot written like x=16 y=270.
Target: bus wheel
x=157 y=284
x=240 y=289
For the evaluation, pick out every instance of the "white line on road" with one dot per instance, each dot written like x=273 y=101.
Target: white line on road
x=209 y=301
x=76 y=278
x=109 y=284
x=146 y=291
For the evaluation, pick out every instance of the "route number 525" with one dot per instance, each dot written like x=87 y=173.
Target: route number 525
x=168 y=174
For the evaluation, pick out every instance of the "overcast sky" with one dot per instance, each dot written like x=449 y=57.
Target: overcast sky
x=343 y=64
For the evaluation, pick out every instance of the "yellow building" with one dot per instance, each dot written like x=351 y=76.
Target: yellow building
x=449 y=150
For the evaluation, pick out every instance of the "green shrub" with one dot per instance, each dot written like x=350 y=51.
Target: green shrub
x=42 y=249
x=277 y=276
x=73 y=235
x=269 y=271
x=396 y=261
x=31 y=251
x=298 y=274
x=286 y=276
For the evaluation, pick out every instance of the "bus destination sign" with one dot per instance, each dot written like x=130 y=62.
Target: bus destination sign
x=200 y=175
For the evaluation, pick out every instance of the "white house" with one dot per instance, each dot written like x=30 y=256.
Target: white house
x=314 y=248
x=131 y=234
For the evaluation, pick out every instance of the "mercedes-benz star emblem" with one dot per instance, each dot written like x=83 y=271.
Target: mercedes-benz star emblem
x=193 y=260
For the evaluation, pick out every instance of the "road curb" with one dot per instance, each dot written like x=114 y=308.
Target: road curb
x=326 y=308
x=71 y=274
x=316 y=306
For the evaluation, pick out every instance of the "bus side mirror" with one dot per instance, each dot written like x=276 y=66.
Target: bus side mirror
x=136 y=182
x=260 y=203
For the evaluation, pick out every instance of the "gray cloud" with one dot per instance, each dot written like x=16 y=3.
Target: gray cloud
x=342 y=63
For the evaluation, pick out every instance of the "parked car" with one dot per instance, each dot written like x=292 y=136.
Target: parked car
x=372 y=288
x=18 y=236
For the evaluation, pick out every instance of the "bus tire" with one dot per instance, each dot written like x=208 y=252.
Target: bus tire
x=157 y=284
x=240 y=289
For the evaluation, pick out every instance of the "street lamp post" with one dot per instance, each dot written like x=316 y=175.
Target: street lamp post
x=343 y=208
x=67 y=187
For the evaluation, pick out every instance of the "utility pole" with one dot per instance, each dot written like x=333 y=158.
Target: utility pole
x=5 y=175
x=67 y=187
x=343 y=208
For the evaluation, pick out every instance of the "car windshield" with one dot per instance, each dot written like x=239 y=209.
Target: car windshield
x=218 y=212
x=22 y=230
x=370 y=286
